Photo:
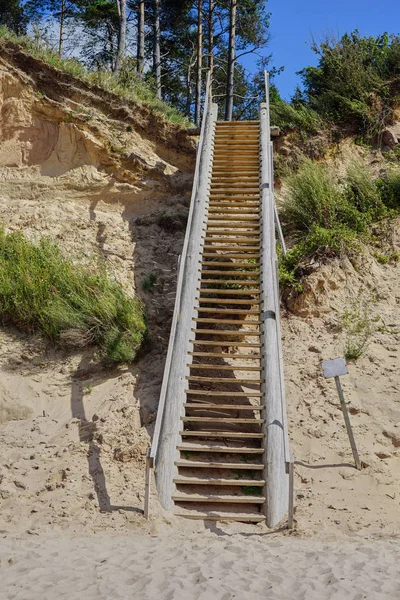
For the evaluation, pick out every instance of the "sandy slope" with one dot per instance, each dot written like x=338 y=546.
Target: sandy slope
x=73 y=435
x=176 y=567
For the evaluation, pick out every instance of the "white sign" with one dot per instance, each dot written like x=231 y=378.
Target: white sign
x=334 y=368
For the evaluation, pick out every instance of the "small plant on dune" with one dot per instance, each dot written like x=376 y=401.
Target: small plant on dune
x=359 y=326
x=148 y=283
x=76 y=306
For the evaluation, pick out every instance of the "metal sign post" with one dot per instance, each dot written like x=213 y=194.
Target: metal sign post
x=335 y=368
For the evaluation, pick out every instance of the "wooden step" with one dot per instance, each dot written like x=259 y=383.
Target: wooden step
x=228 y=311
x=219 y=292
x=223 y=406
x=234 y=482
x=201 y=379
x=222 y=420
x=226 y=332
x=188 y=464
x=223 y=343
x=219 y=254
x=219 y=227
x=222 y=367
x=254 y=242
x=218 y=498
x=228 y=248
x=227 y=282
x=250 y=394
x=252 y=274
x=227 y=301
x=227 y=321
x=239 y=265
x=222 y=434
x=234 y=211
x=227 y=355
x=219 y=449
x=223 y=517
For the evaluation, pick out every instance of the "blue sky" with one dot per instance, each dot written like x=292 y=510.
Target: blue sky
x=294 y=23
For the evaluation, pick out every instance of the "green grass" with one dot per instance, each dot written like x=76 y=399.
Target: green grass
x=43 y=291
x=125 y=84
x=327 y=216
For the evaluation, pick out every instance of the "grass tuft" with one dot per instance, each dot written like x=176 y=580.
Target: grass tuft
x=41 y=290
x=330 y=217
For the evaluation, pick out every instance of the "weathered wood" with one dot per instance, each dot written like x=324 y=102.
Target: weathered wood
x=276 y=490
x=166 y=435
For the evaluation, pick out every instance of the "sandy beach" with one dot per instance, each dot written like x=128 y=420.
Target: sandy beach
x=210 y=567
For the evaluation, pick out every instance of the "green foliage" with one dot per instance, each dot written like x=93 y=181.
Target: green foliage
x=288 y=116
x=41 y=290
x=125 y=84
x=12 y=15
x=356 y=81
x=389 y=190
x=359 y=326
x=328 y=217
x=148 y=282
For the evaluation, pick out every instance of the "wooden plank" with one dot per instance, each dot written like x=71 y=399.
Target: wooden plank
x=228 y=282
x=209 y=406
x=221 y=255
x=219 y=449
x=239 y=265
x=222 y=434
x=222 y=420
x=208 y=366
x=200 y=379
x=226 y=355
x=231 y=273
x=220 y=499
x=250 y=394
x=228 y=292
x=189 y=464
x=227 y=321
x=229 y=301
x=245 y=518
x=215 y=481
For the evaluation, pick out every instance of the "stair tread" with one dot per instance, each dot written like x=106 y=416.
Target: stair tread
x=218 y=481
x=219 y=449
x=223 y=367
x=218 y=465
x=227 y=355
x=221 y=434
x=218 y=498
x=224 y=406
x=222 y=420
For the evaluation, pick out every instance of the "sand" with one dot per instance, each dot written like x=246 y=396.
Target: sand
x=73 y=434
x=209 y=567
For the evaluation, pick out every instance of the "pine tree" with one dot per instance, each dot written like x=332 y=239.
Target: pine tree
x=12 y=15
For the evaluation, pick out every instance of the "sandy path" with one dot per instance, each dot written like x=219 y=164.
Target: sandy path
x=247 y=567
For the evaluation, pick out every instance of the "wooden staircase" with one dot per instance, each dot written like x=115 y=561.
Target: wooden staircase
x=220 y=469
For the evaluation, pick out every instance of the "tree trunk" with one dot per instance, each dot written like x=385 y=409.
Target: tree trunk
x=211 y=7
x=156 y=48
x=231 y=61
x=199 y=61
x=140 y=38
x=121 y=6
x=61 y=38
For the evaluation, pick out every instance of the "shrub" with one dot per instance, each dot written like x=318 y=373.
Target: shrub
x=389 y=190
x=288 y=116
x=41 y=290
x=313 y=197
